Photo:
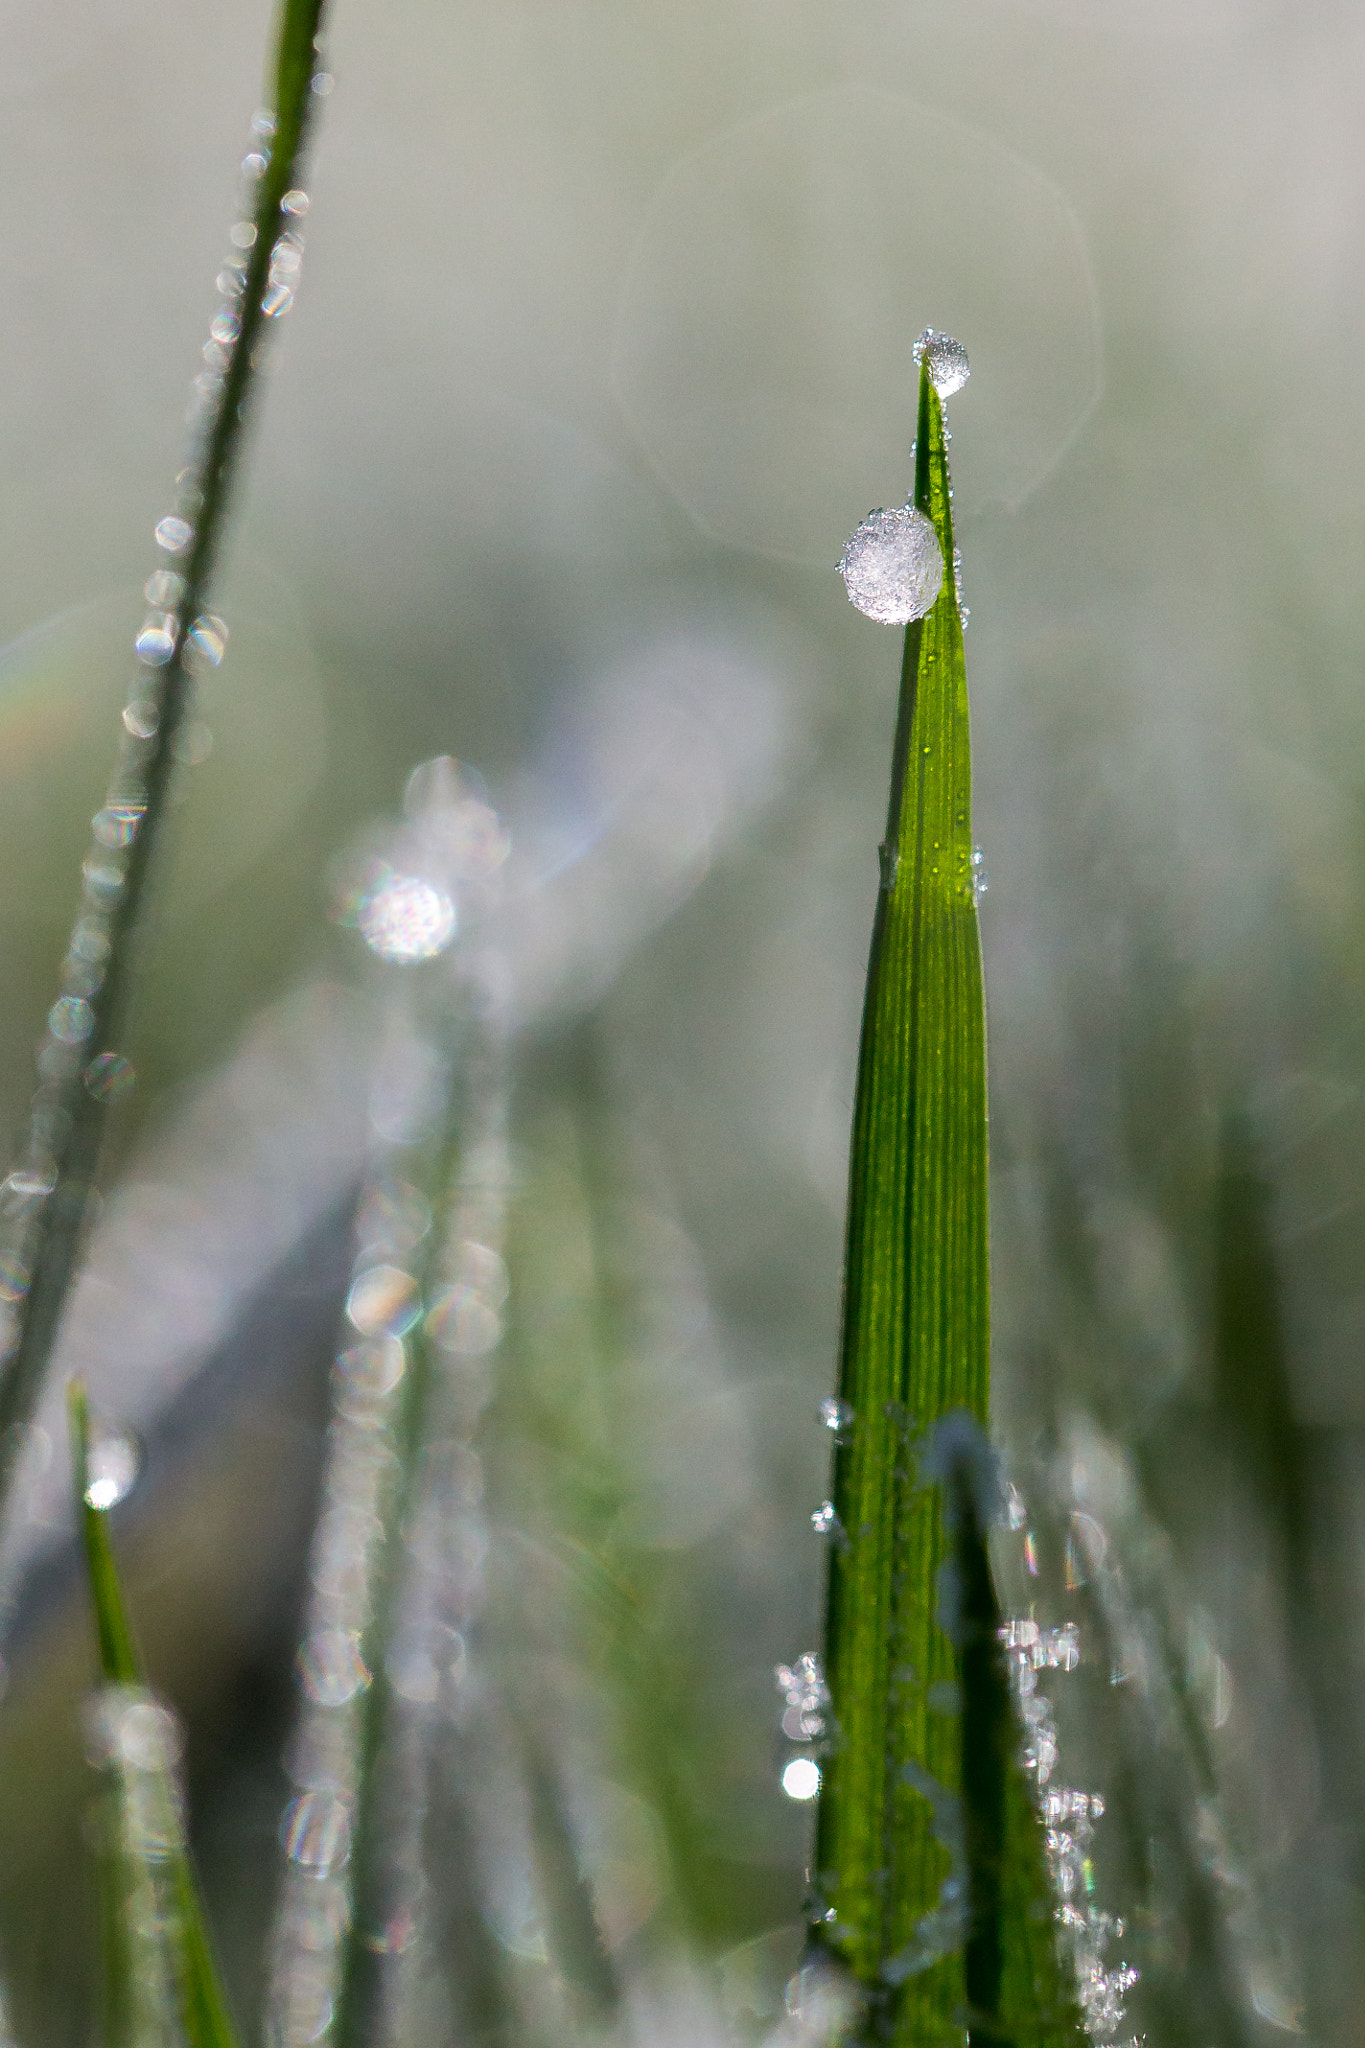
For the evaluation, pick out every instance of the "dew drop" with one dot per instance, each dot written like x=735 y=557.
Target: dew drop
x=980 y=881
x=461 y=1321
x=174 y=534
x=116 y=824
x=208 y=639
x=836 y=1415
x=253 y=164
x=403 y=918
x=322 y=83
x=110 y=1078
x=242 y=234
x=71 y=1020
x=141 y=719
x=225 y=327
x=127 y=1725
x=801 y=1778
x=295 y=203
x=892 y=566
x=331 y=1668
x=384 y=1301
x=155 y=644
x=947 y=360
x=112 y=1468
x=277 y=301
x=164 y=589
x=825 y=1521
x=14 y=1276
x=317 y=1831
x=424 y=1662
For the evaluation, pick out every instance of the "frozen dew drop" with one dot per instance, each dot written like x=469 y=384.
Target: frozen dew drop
x=225 y=327
x=980 y=883
x=242 y=234
x=892 y=566
x=112 y=1469
x=825 y=1521
x=836 y=1415
x=277 y=301
x=403 y=918
x=322 y=83
x=71 y=1020
x=253 y=164
x=295 y=203
x=286 y=258
x=384 y=1301
x=127 y=1725
x=116 y=824
x=947 y=360
x=155 y=644
x=801 y=1778
x=263 y=123
x=208 y=639
x=174 y=534
x=110 y=1078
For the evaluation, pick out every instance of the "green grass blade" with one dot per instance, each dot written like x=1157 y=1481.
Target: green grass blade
x=923 y=1870
x=67 y=1125
x=132 y=1872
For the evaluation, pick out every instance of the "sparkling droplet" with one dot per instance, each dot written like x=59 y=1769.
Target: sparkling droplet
x=947 y=360
x=14 y=1276
x=71 y=1020
x=277 y=301
x=317 y=1830
x=127 y=1725
x=242 y=234
x=30 y=1185
x=155 y=644
x=225 y=327
x=164 y=589
x=1031 y=1554
x=422 y=1663
x=892 y=566
x=286 y=258
x=980 y=881
x=208 y=639
x=296 y=203
x=825 y=1521
x=322 y=83
x=111 y=1471
x=801 y=1778
x=174 y=533
x=384 y=1301
x=263 y=123
x=110 y=1078
x=404 y=918
x=836 y=1415
x=253 y=164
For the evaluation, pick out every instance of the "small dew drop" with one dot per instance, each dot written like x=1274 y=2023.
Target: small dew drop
x=384 y=1301
x=460 y=1320
x=403 y=918
x=322 y=83
x=14 y=1276
x=277 y=301
x=141 y=719
x=155 y=644
x=116 y=824
x=317 y=1831
x=174 y=534
x=242 y=234
x=892 y=566
x=825 y=1521
x=253 y=164
x=947 y=360
x=225 y=327
x=263 y=123
x=801 y=1778
x=71 y=1020
x=980 y=881
x=295 y=203
x=164 y=589
x=331 y=1668
x=112 y=1469
x=110 y=1078
x=836 y=1416
x=208 y=639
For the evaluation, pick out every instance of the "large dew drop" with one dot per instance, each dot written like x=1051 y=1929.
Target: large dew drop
x=892 y=566
x=947 y=360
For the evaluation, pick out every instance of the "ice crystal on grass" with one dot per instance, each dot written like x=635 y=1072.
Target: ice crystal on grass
x=892 y=566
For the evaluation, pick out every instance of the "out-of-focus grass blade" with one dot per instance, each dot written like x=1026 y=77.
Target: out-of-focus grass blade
x=917 y=1888
x=161 y=1982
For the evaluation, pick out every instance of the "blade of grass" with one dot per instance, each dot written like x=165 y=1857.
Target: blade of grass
x=49 y=1197
x=918 y=1894
x=204 y=2008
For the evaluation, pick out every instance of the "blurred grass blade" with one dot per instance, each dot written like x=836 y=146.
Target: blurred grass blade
x=893 y=1898
x=46 y=1199
x=161 y=1982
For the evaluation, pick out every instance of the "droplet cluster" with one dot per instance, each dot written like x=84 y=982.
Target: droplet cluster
x=159 y=743
x=137 y=1743
x=1068 y=1817
x=423 y=1316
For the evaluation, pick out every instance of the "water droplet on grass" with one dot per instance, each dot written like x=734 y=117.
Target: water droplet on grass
x=331 y=1668
x=110 y=1078
x=164 y=589
x=155 y=644
x=141 y=719
x=277 y=301
x=947 y=360
x=836 y=1415
x=112 y=1468
x=208 y=639
x=801 y=1778
x=317 y=1831
x=892 y=566
x=825 y=1521
x=71 y=1020
x=174 y=533
x=403 y=918
x=296 y=203
x=384 y=1301
x=242 y=234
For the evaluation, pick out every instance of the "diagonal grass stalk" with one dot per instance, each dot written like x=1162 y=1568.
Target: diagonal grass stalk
x=928 y=1858
x=161 y=1981
x=80 y=1067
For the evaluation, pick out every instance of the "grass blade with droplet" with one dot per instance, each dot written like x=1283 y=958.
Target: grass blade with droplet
x=928 y=1861
x=158 y=1963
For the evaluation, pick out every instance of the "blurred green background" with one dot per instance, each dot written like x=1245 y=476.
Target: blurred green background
x=603 y=346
